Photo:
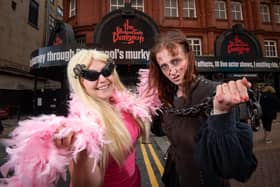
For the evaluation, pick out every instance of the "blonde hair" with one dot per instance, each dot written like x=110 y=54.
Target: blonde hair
x=269 y=89
x=115 y=129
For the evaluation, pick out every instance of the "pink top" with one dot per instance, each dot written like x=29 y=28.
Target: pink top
x=127 y=174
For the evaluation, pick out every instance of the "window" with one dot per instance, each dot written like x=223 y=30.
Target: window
x=265 y=13
x=59 y=11
x=138 y=4
x=81 y=40
x=72 y=8
x=171 y=8
x=270 y=48
x=277 y=13
x=236 y=10
x=220 y=10
x=189 y=9
x=116 y=4
x=195 y=44
x=33 y=13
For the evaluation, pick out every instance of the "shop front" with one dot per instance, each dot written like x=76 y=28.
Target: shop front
x=238 y=54
x=126 y=35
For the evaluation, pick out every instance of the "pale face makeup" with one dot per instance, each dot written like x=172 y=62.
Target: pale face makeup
x=173 y=67
x=103 y=86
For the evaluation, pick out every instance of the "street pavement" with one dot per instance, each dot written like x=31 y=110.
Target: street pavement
x=267 y=173
x=268 y=155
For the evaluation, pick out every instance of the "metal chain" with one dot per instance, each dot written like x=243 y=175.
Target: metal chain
x=204 y=107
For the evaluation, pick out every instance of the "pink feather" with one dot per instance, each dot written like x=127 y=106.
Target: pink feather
x=148 y=95
x=35 y=159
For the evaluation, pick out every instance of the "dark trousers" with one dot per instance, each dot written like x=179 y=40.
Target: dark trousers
x=267 y=123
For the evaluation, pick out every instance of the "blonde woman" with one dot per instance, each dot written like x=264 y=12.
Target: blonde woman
x=96 y=140
x=93 y=78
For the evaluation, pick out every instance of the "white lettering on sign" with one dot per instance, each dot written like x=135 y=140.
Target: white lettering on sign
x=227 y=65
x=262 y=65
x=274 y=65
x=137 y=54
x=245 y=75
x=233 y=64
x=205 y=64
x=53 y=56
x=223 y=64
x=217 y=64
x=40 y=59
x=128 y=55
x=246 y=65
x=61 y=55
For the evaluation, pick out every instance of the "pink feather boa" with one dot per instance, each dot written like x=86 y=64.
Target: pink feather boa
x=147 y=95
x=35 y=159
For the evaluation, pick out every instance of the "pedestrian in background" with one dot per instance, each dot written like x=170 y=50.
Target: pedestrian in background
x=205 y=150
x=270 y=105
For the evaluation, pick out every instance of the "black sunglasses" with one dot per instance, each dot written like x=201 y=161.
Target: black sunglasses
x=93 y=75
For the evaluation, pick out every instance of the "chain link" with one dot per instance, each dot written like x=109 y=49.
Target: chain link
x=204 y=107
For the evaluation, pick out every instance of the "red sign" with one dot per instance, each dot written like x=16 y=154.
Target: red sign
x=127 y=34
x=238 y=46
x=57 y=40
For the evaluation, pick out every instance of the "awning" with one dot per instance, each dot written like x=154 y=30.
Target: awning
x=13 y=79
x=11 y=82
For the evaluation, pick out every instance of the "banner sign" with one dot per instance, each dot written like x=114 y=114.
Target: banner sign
x=237 y=50
x=60 y=56
x=212 y=64
x=53 y=55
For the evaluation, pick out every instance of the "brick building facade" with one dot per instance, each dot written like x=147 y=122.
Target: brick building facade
x=202 y=22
